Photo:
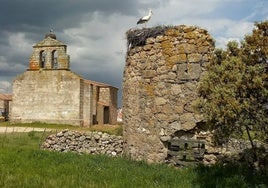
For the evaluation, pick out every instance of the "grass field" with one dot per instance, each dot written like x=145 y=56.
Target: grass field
x=24 y=164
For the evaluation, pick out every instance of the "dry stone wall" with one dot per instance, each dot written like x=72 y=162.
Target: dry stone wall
x=112 y=145
x=85 y=142
x=160 y=87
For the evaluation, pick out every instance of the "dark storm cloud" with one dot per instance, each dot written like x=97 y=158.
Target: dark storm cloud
x=34 y=18
x=94 y=30
x=22 y=14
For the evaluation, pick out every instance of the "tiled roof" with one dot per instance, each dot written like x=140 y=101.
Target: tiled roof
x=7 y=97
x=49 y=42
x=98 y=83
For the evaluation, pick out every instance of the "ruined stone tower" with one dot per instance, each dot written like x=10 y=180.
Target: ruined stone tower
x=163 y=67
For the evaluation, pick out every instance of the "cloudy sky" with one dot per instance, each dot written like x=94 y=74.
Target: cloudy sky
x=94 y=30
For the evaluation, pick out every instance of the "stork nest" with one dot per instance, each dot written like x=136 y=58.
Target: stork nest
x=138 y=37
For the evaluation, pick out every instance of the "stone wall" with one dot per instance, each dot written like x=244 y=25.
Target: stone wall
x=47 y=96
x=104 y=95
x=160 y=87
x=112 y=145
x=86 y=101
x=107 y=105
x=201 y=148
x=85 y=142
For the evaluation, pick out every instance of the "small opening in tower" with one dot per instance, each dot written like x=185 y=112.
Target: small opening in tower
x=42 y=59
x=54 y=61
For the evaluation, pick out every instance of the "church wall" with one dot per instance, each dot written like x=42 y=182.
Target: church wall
x=47 y=96
x=86 y=102
x=104 y=95
x=108 y=98
x=94 y=103
x=113 y=105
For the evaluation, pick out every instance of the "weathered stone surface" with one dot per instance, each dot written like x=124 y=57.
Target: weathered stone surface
x=186 y=48
x=149 y=73
x=176 y=89
x=85 y=142
x=182 y=58
x=201 y=148
x=194 y=58
x=161 y=103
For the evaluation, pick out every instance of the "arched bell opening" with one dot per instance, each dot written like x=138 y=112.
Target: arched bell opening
x=54 y=60
x=42 y=59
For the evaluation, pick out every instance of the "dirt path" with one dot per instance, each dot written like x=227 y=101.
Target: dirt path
x=21 y=129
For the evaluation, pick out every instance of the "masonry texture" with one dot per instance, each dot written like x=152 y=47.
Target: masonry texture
x=50 y=92
x=112 y=145
x=160 y=87
x=85 y=142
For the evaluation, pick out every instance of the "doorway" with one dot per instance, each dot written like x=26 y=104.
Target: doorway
x=106 y=115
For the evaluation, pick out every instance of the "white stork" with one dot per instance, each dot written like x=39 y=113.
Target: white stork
x=145 y=19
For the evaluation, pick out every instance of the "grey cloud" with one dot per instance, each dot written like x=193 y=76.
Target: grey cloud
x=93 y=30
x=19 y=14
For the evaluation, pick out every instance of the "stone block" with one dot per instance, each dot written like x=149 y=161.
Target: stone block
x=182 y=58
x=191 y=35
x=194 y=58
x=176 y=89
x=176 y=125
x=160 y=101
x=194 y=71
x=187 y=29
x=149 y=73
x=167 y=45
x=182 y=71
x=147 y=47
x=186 y=48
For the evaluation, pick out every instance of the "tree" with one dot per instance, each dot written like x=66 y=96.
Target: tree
x=234 y=91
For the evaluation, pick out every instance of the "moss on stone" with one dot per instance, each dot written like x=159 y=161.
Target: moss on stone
x=148 y=89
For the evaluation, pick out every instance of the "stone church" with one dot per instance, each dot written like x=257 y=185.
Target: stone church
x=50 y=92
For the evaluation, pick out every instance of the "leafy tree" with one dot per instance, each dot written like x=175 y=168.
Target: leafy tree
x=234 y=91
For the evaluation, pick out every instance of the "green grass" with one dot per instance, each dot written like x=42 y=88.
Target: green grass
x=23 y=164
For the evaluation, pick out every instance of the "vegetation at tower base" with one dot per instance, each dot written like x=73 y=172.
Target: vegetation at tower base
x=234 y=91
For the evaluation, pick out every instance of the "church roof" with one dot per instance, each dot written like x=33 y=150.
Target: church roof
x=5 y=97
x=49 y=40
x=98 y=83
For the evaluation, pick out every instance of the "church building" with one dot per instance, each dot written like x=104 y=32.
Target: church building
x=50 y=92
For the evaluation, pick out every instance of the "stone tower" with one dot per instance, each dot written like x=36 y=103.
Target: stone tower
x=163 y=67
x=49 y=54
